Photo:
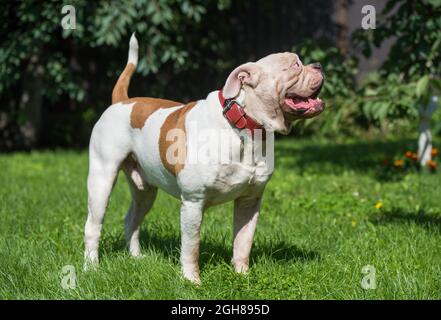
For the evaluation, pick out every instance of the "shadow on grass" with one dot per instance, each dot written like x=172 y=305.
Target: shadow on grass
x=361 y=156
x=400 y=216
x=216 y=253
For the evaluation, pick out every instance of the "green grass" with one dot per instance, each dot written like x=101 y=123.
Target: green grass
x=318 y=228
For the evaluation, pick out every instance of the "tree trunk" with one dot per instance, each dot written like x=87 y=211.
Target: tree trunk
x=342 y=20
x=425 y=138
x=31 y=103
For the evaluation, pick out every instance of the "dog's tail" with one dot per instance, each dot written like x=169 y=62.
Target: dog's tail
x=119 y=92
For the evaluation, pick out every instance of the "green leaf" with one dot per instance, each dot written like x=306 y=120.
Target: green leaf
x=422 y=86
x=435 y=3
x=436 y=85
x=383 y=110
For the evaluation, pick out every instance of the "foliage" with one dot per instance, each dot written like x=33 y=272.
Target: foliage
x=378 y=102
x=395 y=92
x=70 y=64
x=199 y=42
x=412 y=70
x=33 y=28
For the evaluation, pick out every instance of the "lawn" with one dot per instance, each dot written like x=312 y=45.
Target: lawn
x=318 y=228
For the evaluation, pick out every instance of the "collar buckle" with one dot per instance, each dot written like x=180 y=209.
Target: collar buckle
x=237 y=117
x=228 y=104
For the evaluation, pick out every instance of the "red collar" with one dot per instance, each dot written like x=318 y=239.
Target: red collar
x=234 y=113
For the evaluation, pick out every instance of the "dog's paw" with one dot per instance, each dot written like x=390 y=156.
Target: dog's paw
x=192 y=276
x=90 y=265
x=241 y=268
x=138 y=256
x=195 y=280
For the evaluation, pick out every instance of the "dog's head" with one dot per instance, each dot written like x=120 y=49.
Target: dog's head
x=278 y=90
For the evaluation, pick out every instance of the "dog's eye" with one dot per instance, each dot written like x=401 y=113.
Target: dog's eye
x=296 y=65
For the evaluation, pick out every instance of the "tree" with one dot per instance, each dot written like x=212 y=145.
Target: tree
x=42 y=64
x=342 y=17
x=409 y=81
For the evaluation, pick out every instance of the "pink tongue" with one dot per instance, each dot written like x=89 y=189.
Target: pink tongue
x=297 y=103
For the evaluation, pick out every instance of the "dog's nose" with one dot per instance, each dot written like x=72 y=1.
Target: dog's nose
x=317 y=66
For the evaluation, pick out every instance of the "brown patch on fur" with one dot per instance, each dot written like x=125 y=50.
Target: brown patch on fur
x=175 y=120
x=121 y=88
x=145 y=107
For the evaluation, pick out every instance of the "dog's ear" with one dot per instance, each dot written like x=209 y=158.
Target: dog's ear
x=247 y=73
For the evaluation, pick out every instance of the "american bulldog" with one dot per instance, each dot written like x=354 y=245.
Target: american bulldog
x=156 y=142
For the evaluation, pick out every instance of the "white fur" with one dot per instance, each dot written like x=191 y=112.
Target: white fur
x=133 y=50
x=115 y=145
x=147 y=152
x=198 y=186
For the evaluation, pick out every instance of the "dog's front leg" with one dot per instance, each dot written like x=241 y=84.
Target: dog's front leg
x=246 y=212
x=191 y=219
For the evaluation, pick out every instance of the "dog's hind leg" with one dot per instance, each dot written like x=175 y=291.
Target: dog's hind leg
x=143 y=196
x=106 y=153
x=99 y=184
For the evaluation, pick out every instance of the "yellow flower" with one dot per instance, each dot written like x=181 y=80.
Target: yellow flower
x=399 y=163
x=379 y=205
x=354 y=223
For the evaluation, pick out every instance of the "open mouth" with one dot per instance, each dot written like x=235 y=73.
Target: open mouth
x=304 y=106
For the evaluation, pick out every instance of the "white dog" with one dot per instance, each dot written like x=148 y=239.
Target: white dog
x=151 y=140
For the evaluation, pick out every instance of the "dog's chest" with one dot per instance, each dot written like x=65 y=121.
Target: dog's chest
x=237 y=180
